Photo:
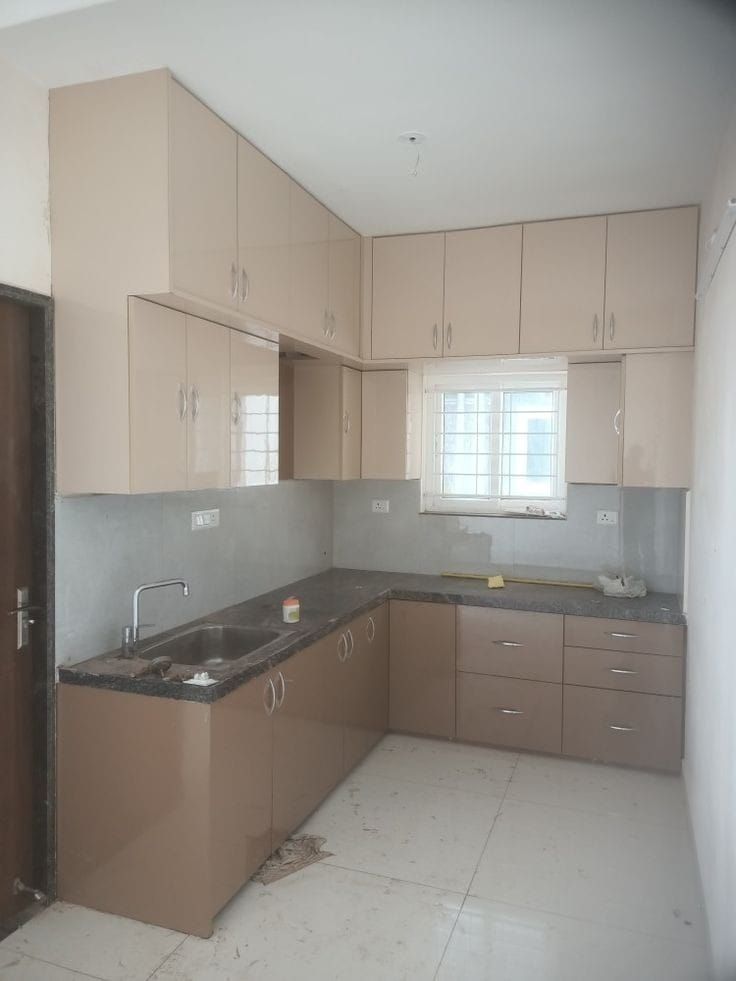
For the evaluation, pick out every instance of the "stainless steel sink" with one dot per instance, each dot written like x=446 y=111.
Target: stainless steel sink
x=209 y=645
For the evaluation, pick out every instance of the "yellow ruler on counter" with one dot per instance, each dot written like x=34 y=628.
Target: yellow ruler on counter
x=498 y=582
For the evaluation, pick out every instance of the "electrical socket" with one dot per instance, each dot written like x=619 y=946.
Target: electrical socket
x=205 y=519
x=380 y=507
x=607 y=518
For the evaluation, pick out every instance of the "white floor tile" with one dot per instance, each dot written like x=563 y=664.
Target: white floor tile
x=319 y=924
x=600 y=867
x=109 y=947
x=441 y=764
x=494 y=940
x=17 y=967
x=410 y=831
x=634 y=794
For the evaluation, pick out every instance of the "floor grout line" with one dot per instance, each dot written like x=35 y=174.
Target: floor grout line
x=62 y=967
x=395 y=878
x=170 y=954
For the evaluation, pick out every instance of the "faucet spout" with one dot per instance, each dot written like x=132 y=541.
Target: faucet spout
x=132 y=635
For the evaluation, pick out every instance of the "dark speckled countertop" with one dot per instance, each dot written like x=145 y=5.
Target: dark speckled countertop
x=333 y=598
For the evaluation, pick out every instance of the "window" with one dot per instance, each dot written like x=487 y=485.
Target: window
x=495 y=438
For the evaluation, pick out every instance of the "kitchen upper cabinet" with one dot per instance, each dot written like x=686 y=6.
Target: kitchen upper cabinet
x=594 y=424
x=658 y=403
x=263 y=236
x=365 y=684
x=392 y=425
x=327 y=422
x=408 y=273
x=564 y=269
x=208 y=373
x=203 y=201
x=309 y=265
x=344 y=287
x=482 y=285
x=254 y=411
x=650 y=279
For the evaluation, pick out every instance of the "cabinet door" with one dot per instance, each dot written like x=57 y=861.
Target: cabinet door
x=509 y=712
x=157 y=345
x=658 y=405
x=408 y=274
x=593 y=442
x=482 y=285
x=385 y=425
x=422 y=675
x=241 y=786
x=203 y=202
x=318 y=422
x=263 y=236
x=208 y=370
x=307 y=733
x=309 y=263
x=562 y=285
x=650 y=279
x=254 y=411
x=344 y=286
x=352 y=410
x=365 y=686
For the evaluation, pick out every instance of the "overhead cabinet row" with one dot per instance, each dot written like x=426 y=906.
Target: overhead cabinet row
x=617 y=282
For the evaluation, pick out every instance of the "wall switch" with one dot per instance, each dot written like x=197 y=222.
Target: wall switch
x=205 y=519
x=607 y=518
x=379 y=507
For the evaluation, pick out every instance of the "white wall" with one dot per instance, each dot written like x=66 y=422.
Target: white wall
x=710 y=746
x=25 y=257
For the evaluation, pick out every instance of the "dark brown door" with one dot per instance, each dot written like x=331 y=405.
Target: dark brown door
x=16 y=730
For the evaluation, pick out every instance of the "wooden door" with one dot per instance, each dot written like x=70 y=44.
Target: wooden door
x=408 y=276
x=594 y=424
x=422 y=677
x=208 y=376
x=563 y=276
x=157 y=352
x=254 y=411
x=482 y=289
x=352 y=411
x=344 y=286
x=263 y=236
x=365 y=686
x=307 y=734
x=16 y=683
x=309 y=265
x=650 y=279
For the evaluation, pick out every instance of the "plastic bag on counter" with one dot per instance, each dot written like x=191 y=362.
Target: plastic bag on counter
x=625 y=586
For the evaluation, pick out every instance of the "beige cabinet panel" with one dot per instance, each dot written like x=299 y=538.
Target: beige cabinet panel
x=650 y=279
x=327 y=422
x=208 y=369
x=509 y=712
x=263 y=236
x=254 y=411
x=157 y=343
x=625 y=635
x=344 y=287
x=365 y=685
x=482 y=288
x=408 y=274
x=309 y=265
x=352 y=410
x=658 y=405
x=392 y=422
x=203 y=201
x=562 y=285
x=594 y=424
x=650 y=673
x=510 y=643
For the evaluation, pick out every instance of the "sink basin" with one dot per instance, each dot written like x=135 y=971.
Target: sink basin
x=210 y=645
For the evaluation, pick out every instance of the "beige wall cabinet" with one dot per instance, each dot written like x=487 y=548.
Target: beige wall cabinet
x=658 y=404
x=650 y=279
x=254 y=411
x=208 y=373
x=392 y=425
x=327 y=422
x=309 y=265
x=365 y=657
x=594 y=423
x=343 y=304
x=422 y=675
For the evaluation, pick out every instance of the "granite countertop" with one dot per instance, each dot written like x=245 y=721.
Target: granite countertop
x=333 y=598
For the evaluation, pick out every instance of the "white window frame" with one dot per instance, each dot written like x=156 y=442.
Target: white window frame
x=495 y=375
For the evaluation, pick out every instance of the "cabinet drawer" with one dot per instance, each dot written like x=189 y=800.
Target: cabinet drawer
x=622 y=727
x=623 y=671
x=510 y=643
x=509 y=712
x=624 y=635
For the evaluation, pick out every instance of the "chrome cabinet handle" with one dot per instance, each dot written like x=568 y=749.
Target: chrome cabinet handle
x=236 y=409
x=244 y=285
x=182 y=402
x=449 y=336
x=272 y=705
x=507 y=643
x=614 y=633
x=435 y=337
x=333 y=327
x=595 y=329
x=370 y=630
x=622 y=671
x=195 y=402
x=351 y=642
x=611 y=327
x=233 y=281
x=280 y=698
x=326 y=324
x=616 y=728
x=617 y=422
x=505 y=711
x=342 y=648
x=346 y=421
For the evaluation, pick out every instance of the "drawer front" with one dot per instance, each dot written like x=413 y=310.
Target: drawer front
x=622 y=727
x=624 y=635
x=509 y=643
x=650 y=673
x=509 y=712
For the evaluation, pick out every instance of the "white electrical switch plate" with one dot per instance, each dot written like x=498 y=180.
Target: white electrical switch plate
x=379 y=507
x=205 y=519
x=607 y=518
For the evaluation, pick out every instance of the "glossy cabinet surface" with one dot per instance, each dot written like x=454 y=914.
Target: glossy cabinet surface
x=344 y=287
x=650 y=673
x=352 y=428
x=208 y=374
x=594 y=423
x=509 y=712
x=365 y=684
x=254 y=411
x=309 y=265
x=327 y=422
x=391 y=425
x=510 y=643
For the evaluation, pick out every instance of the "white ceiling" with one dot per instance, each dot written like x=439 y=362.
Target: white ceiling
x=532 y=108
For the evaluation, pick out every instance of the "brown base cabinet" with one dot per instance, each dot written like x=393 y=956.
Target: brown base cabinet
x=509 y=712
x=365 y=688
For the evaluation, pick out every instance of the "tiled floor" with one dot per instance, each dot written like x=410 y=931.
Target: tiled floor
x=450 y=862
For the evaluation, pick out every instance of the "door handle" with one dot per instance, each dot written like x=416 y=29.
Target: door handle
x=269 y=706
x=233 y=281
x=182 y=402
x=622 y=671
x=507 y=643
x=505 y=711
x=370 y=630
x=449 y=336
x=244 y=285
x=595 y=329
x=342 y=648
x=616 y=728
x=434 y=337
x=280 y=698
x=195 y=402
x=351 y=642
x=236 y=409
x=617 y=422
x=611 y=327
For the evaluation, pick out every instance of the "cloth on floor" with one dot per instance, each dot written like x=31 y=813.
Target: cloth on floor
x=295 y=853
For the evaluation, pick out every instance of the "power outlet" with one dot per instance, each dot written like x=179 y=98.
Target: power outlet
x=205 y=519
x=607 y=518
x=380 y=507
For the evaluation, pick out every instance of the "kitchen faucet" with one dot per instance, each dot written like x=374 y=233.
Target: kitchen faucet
x=131 y=634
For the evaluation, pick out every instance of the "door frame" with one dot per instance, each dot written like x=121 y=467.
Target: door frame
x=41 y=320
